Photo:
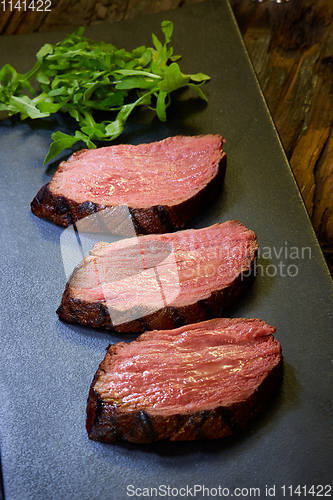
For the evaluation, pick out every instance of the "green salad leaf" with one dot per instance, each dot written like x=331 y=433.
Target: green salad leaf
x=80 y=77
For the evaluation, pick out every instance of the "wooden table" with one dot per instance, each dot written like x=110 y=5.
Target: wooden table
x=291 y=47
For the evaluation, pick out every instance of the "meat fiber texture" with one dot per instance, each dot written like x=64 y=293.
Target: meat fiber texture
x=163 y=184
x=205 y=380
x=161 y=281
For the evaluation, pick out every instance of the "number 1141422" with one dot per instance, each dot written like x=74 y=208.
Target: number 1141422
x=26 y=5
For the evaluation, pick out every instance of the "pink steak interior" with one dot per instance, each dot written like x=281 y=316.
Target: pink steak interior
x=196 y=367
x=159 y=173
x=160 y=270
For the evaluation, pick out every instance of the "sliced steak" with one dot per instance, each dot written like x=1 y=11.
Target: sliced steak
x=205 y=380
x=161 y=281
x=163 y=183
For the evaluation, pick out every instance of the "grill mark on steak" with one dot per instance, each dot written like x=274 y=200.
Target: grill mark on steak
x=139 y=229
x=62 y=209
x=155 y=424
x=142 y=322
x=177 y=318
x=163 y=215
x=89 y=207
x=193 y=426
x=229 y=420
x=207 y=307
x=146 y=425
x=48 y=206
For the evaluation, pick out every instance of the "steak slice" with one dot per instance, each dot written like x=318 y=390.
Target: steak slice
x=205 y=380
x=161 y=281
x=163 y=183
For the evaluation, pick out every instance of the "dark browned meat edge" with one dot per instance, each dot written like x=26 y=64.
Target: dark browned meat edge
x=106 y=423
x=96 y=314
x=156 y=219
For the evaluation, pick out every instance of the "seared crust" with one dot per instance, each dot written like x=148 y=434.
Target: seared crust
x=105 y=422
x=96 y=314
x=157 y=219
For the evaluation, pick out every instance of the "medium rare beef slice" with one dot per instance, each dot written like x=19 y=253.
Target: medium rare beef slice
x=205 y=380
x=163 y=183
x=161 y=281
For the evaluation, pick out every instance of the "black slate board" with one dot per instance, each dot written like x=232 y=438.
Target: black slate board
x=47 y=366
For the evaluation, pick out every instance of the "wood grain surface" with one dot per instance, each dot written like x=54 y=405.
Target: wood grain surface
x=291 y=47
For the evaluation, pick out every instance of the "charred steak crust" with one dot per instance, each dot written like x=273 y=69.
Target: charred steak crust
x=105 y=422
x=157 y=219
x=59 y=209
x=96 y=314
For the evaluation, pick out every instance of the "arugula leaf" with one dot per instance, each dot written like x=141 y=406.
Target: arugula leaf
x=44 y=51
x=135 y=72
x=114 y=129
x=63 y=141
x=81 y=77
x=135 y=82
x=157 y=44
x=8 y=75
x=26 y=107
x=199 y=91
x=167 y=28
x=199 y=77
x=173 y=78
x=161 y=106
x=60 y=142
